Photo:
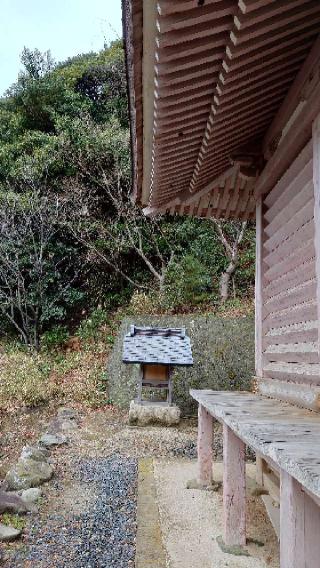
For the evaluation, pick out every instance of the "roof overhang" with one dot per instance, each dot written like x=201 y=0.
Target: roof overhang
x=207 y=85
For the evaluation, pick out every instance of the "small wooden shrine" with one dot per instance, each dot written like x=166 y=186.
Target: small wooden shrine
x=157 y=350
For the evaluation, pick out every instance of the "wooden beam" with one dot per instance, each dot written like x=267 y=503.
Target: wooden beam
x=316 y=183
x=295 y=95
x=305 y=396
x=293 y=143
x=205 y=439
x=299 y=526
x=258 y=289
x=247 y=6
x=234 y=489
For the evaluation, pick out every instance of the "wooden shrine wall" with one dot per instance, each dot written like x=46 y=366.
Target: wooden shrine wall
x=289 y=339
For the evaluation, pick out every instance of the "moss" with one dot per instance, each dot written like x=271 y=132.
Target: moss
x=223 y=353
x=13 y=521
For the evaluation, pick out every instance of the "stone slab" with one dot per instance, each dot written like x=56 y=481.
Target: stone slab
x=143 y=414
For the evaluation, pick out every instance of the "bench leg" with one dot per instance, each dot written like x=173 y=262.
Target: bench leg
x=299 y=526
x=234 y=489
x=205 y=439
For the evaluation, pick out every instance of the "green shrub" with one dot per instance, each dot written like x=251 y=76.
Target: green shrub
x=90 y=328
x=187 y=282
x=55 y=337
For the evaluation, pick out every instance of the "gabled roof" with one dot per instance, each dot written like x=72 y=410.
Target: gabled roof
x=166 y=346
x=206 y=79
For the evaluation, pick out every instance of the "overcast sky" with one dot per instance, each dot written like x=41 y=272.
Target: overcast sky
x=66 y=27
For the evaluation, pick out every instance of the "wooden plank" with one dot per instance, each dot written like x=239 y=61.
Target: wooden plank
x=293 y=98
x=290 y=206
x=204 y=30
x=234 y=489
x=292 y=528
x=205 y=439
x=302 y=235
x=271 y=483
x=290 y=373
x=291 y=298
x=279 y=268
x=273 y=513
x=299 y=526
x=311 y=531
x=291 y=144
x=276 y=25
x=194 y=16
x=289 y=280
x=301 y=313
x=316 y=181
x=265 y=12
x=306 y=396
x=258 y=289
x=309 y=334
x=299 y=173
x=272 y=428
x=247 y=6
x=300 y=218
x=291 y=356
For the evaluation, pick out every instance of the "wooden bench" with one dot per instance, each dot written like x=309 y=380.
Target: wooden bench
x=287 y=436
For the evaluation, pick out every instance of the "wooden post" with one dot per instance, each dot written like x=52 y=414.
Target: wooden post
x=258 y=289
x=299 y=526
x=234 y=489
x=205 y=439
x=316 y=185
x=258 y=312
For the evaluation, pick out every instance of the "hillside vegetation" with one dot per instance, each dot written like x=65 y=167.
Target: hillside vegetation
x=75 y=254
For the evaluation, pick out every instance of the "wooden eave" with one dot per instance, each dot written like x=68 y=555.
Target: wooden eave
x=207 y=83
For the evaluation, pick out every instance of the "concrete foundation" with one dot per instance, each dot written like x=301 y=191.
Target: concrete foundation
x=143 y=414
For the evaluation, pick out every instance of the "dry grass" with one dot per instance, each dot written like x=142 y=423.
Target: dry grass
x=30 y=379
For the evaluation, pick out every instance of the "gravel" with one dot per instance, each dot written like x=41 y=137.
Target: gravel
x=103 y=535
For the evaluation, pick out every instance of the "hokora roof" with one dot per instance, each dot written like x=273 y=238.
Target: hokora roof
x=206 y=79
x=166 y=346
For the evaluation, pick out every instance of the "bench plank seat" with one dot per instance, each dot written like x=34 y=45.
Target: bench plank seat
x=289 y=435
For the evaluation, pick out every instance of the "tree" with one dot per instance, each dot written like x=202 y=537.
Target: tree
x=36 y=64
x=231 y=236
x=37 y=269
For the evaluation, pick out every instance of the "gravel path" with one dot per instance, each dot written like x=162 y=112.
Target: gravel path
x=88 y=515
x=101 y=536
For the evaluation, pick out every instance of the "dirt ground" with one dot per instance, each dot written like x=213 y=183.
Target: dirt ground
x=190 y=519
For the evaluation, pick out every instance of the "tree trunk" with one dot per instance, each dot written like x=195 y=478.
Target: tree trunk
x=225 y=281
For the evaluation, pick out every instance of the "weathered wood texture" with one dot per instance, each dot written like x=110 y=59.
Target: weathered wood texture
x=234 y=488
x=205 y=439
x=299 y=526
x=210 y=64
x=307 y=396
x=290 y=338
x=258 y=289
x=316 y=182
x=288 y=435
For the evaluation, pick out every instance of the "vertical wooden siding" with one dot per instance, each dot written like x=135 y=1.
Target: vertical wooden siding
x=289 y=288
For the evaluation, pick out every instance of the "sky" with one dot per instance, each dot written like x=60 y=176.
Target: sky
x=66 y=27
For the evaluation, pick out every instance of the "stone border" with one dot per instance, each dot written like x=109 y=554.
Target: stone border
x=150 y=551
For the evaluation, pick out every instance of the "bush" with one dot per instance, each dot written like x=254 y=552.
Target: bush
x=55 y=337
x=90 y=328
x=24 y=380
x=187 y=282
x=143 y=303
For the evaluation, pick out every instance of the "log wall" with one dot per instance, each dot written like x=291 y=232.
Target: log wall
x=289 y=319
